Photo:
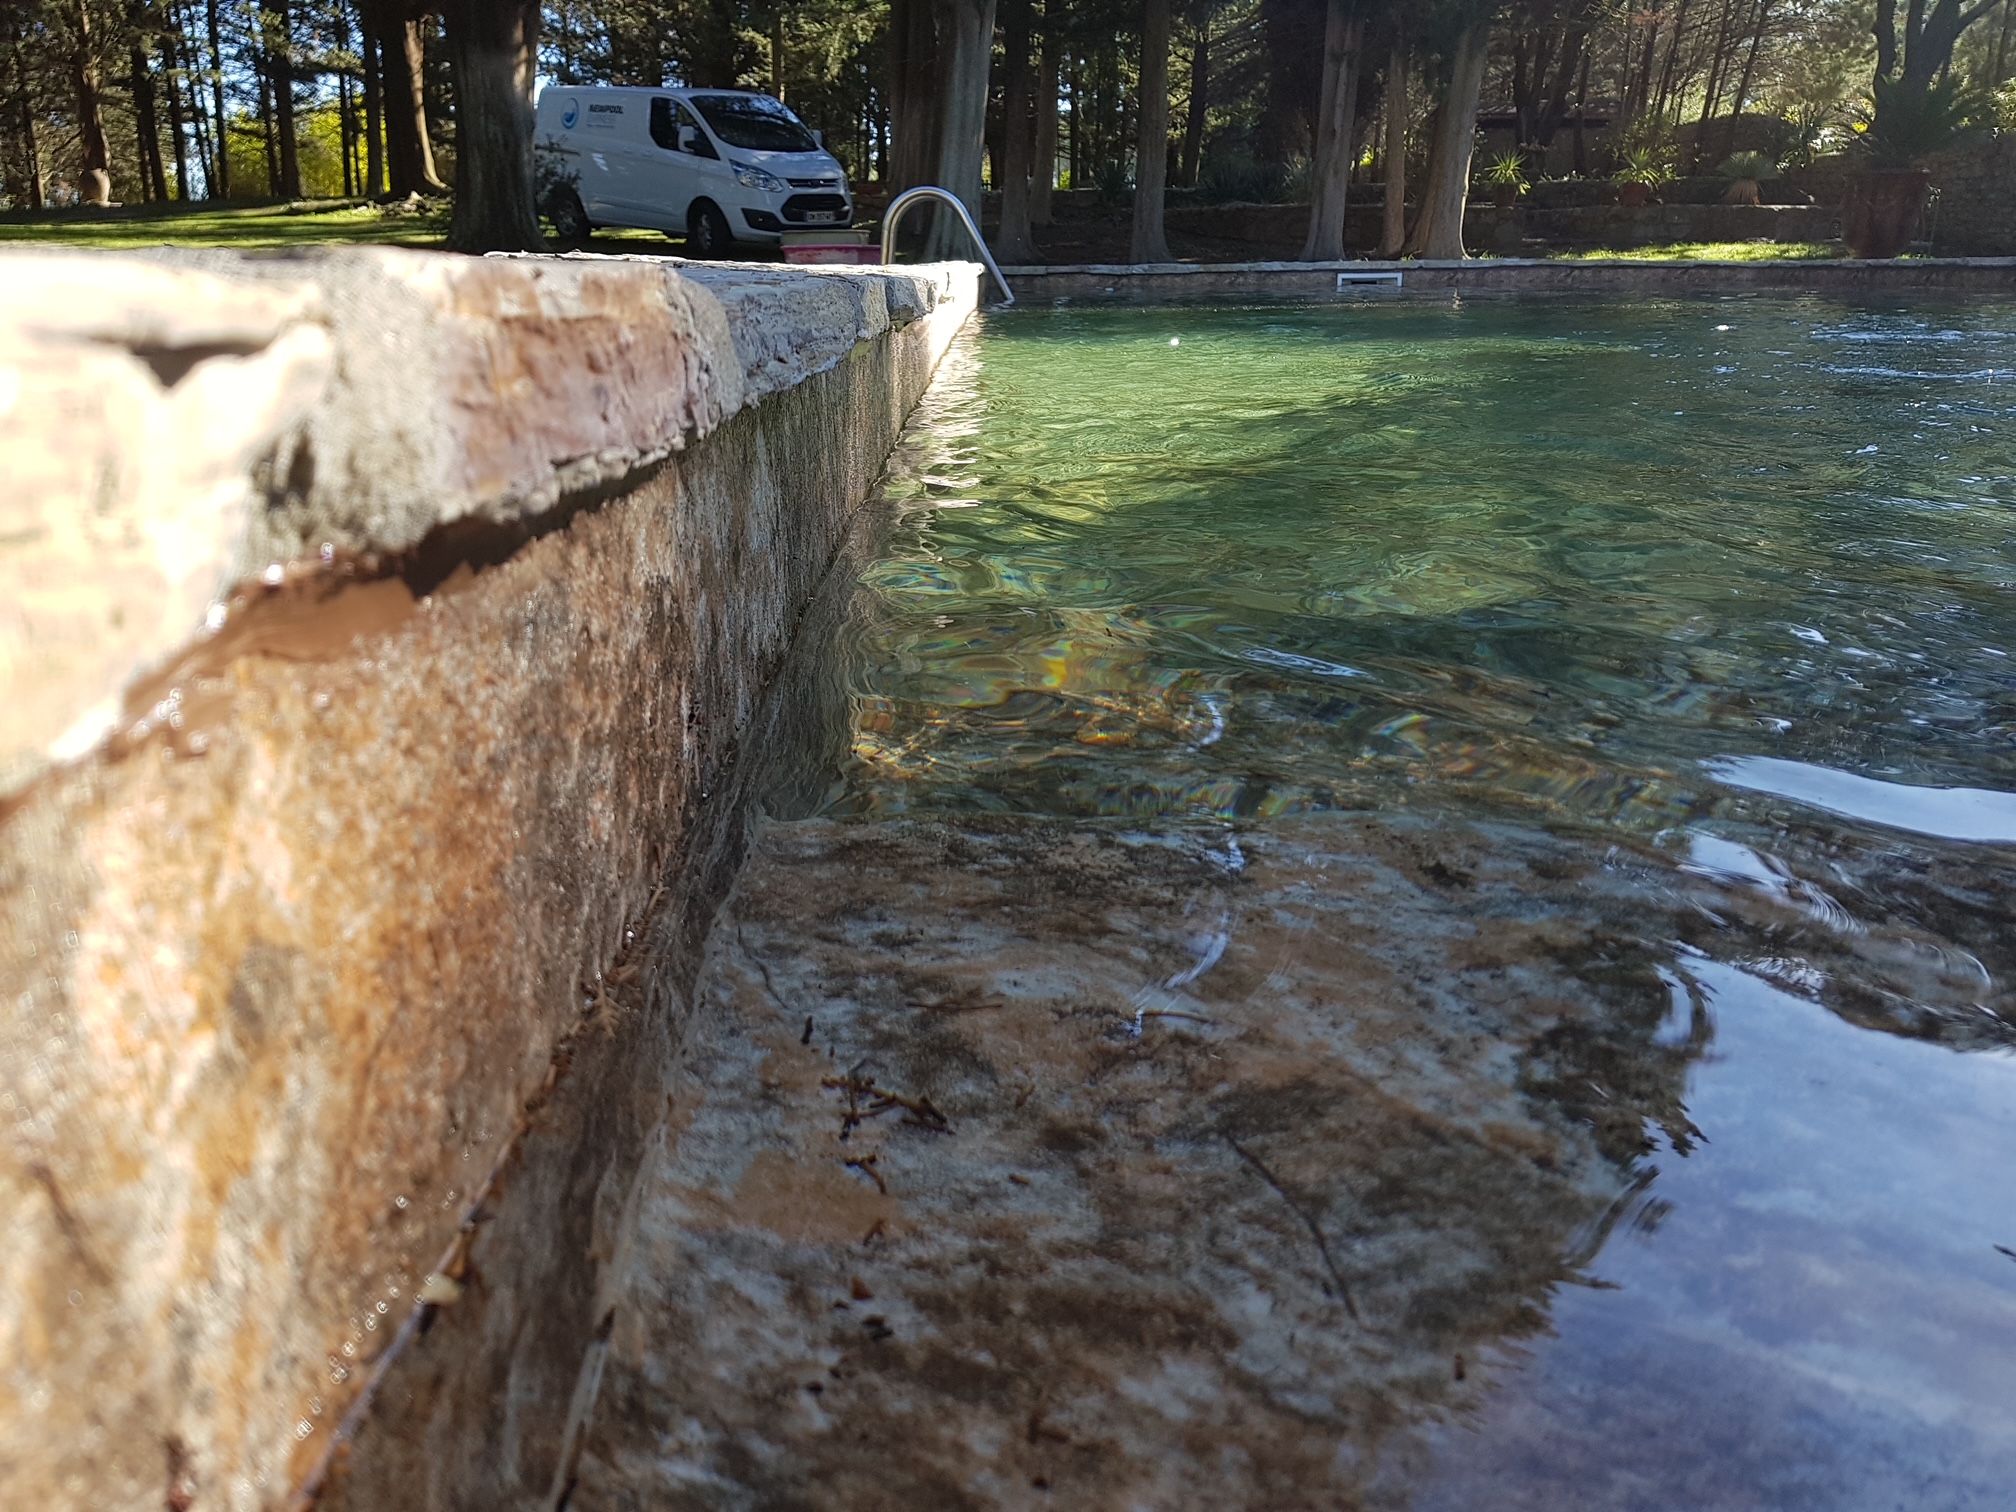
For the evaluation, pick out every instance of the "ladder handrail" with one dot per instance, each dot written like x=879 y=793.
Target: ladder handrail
x=910 y=197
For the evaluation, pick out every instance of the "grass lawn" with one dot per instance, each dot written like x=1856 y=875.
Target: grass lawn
x=1745 y=251
x=252 y=227
x=310 y=224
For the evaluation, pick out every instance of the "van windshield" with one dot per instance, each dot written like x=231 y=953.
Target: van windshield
x=755 y=123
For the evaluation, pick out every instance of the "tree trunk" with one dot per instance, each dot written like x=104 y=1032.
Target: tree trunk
x=280 y=54
x=187 y=65
x=1582 y=115
x=374 y=109
x=1661 y=103
x=1438 y=228
x=266 y=132
x=31 y=152
x=1292 y=38
x=1330 y=171
x=1015 y=242
x=409 y=154
x=172 y=74
x=493 y=49
x=1885 y=28
x=146 y=111
x=777 y=52
x=93 y=145
x=913 y=123
x=965 y=31
x=220 y=188
x=1150 y=242
x=1200 y=103
x=1075 y=155
x=1641 y=91
x=1711 y=94
x=1574 y=54
x=1043 y=174
x=346 y=135
x=1749 y=72
x=1393 y=230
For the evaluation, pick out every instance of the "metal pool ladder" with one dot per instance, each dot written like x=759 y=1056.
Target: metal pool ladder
x=910 y=197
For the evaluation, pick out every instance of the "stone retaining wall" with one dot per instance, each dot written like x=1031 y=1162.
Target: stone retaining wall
x=1485 y=226
x=379 y=633
x=1165 y=282
x=1977 y=199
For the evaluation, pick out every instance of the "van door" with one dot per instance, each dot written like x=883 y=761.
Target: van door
x=688 y=167
x=596 y=133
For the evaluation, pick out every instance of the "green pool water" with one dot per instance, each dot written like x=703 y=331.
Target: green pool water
x=1725 y=590
x=1605 y=564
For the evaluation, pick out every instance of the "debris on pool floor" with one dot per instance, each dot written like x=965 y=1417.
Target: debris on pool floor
x=1019 y=1163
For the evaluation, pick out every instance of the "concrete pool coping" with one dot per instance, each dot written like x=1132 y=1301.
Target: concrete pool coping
x=1157 y=282
x=383 y=635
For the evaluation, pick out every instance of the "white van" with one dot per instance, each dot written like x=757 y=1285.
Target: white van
x=717 y=166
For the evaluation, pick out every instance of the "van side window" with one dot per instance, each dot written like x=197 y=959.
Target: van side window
x=668 y=119
x=664 y=126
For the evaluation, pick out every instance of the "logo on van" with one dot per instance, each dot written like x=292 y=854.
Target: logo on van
x=571 y=113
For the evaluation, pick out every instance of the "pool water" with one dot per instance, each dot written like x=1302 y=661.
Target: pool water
x=1713 y=603
x=1607 y=564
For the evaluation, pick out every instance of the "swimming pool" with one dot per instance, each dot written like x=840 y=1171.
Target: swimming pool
x=1445 y=868
x=1600 y=563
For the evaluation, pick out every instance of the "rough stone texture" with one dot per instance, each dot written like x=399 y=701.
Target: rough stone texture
x=1977 y=199
x=1025 y=1164
x=1576 y=226
x=330 y=988
x=386 y=397
x=132 y=411
x=1162 y=282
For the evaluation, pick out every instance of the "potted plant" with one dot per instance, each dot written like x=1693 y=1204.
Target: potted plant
x=1643 y=170
x=1911 y=121
x=1746 y=172
x=1506 y=175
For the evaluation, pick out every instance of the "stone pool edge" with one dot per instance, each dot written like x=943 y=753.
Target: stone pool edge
x=351 y=983
x=1160 y=282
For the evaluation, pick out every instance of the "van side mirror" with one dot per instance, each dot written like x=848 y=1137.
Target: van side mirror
x=689 y=139
x=819 y=139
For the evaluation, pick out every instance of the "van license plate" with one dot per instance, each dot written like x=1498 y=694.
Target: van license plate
x=821 y=217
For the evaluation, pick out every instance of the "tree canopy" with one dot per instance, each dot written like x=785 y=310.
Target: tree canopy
x=158 y=100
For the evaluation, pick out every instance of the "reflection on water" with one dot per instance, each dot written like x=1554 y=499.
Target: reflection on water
x=1717 y=596
x=1820 y=1323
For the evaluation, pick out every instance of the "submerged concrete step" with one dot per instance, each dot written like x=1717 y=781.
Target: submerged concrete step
x=1016 y=1163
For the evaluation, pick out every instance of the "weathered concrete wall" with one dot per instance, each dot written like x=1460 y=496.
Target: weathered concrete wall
x=380 y=634
x=1163 y=282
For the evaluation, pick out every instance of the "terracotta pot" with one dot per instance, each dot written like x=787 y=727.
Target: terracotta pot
x=1882 y=210
x=1634 y=195
x=1505 y=196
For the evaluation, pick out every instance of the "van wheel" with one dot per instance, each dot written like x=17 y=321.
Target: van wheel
x=571 y=229
x=707 y=233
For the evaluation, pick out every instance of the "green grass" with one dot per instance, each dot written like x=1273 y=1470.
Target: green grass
x=251 y=227
x=1745 y=251
x=313 y=223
